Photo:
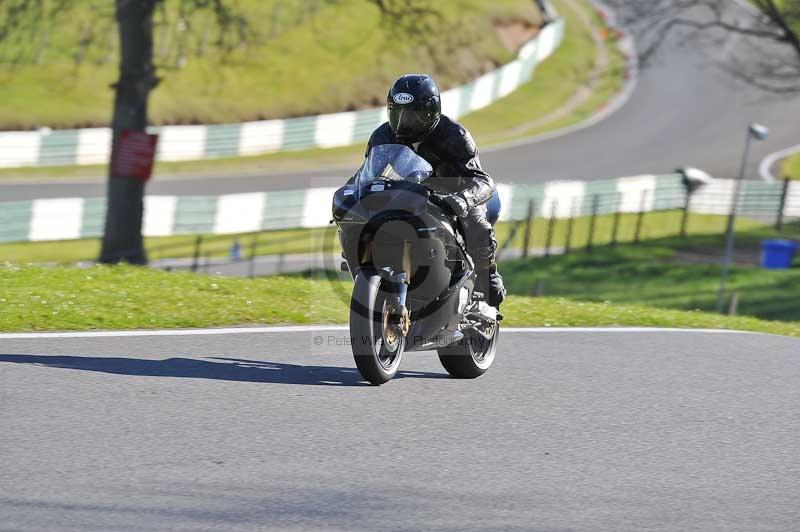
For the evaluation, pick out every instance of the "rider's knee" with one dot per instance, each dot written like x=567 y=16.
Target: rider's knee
x=480 y=233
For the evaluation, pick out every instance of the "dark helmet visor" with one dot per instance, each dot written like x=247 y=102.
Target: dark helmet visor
x=411 y=123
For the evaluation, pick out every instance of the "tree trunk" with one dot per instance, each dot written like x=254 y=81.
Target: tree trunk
x=122 y=240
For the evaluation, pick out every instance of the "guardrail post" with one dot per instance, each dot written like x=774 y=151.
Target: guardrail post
x=252 y=264
x=570 y=224
x=782 y=205
x=733 y=306
x=513 y=233
x=198 y=243
x=640 y=217
x=685 y=218
x=550 y=225
x=528 y=228
x=538 y=288
x=617 y=215
x=592 y=221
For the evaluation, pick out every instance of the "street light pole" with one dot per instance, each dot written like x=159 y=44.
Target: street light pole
x=758 y=132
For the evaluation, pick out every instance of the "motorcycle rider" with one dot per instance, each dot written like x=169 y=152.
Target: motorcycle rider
x=416 y=120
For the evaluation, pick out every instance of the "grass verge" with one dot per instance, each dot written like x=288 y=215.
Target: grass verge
x=87 y=249
x=288 y=161
x=556 y=82
x=668 y=273
x=654 y=225
x=124 y=297
x=790 y=167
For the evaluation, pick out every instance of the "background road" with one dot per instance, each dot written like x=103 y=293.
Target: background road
x=569 y=431
x=685 y=111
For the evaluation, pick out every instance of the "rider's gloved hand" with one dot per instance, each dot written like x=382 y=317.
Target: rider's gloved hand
x=458 y=204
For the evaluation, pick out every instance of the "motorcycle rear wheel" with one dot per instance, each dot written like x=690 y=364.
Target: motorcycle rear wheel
x=471 y=357
x=376 y=352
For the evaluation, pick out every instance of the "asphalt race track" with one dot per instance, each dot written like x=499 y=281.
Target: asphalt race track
x=569 y=431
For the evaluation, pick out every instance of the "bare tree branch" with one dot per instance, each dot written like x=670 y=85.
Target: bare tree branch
x=409 y=17
x=770 y=34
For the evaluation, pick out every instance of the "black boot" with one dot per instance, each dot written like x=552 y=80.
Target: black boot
x=491 y=284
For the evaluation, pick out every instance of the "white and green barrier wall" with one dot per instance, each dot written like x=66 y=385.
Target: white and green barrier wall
x=74 y=218
x=179 y=143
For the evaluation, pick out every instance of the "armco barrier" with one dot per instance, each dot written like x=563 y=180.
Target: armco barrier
x=180 y=143
x=73 y=218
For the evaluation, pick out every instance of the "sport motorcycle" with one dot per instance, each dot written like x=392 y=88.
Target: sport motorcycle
x=414 y=283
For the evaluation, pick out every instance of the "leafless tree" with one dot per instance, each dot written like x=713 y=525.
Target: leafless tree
x=769 y=34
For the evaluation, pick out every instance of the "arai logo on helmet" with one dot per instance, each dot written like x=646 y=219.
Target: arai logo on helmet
x=403 y=98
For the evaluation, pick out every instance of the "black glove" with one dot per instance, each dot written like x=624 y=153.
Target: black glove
x=458 y=204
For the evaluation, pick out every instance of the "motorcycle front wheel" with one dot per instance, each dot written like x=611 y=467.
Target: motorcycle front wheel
x=377 y=350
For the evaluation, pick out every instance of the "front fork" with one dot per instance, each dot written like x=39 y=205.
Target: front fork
x=396 y=319
x=399 y=283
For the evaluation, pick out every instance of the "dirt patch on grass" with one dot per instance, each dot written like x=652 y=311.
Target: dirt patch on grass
x=741 y=257
x=515 y=34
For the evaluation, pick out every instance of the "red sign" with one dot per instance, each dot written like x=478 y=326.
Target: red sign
x=136 y=151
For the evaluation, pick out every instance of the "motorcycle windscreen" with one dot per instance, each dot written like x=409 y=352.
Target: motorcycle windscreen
x=393 y=162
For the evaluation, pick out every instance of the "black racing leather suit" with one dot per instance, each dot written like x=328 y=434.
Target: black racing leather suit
x=452 y=153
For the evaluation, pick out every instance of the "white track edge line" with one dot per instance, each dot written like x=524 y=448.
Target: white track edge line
x=339 y=328
x=620 y=330
x=765 y=167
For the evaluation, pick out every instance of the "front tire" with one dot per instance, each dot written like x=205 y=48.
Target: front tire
x=471 y=357
x=377 y=358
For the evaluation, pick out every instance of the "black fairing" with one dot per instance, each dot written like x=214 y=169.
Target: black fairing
x=359 y=204
x=392 y=226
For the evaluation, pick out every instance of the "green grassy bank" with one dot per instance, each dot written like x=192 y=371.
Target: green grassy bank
x=667 y=273
x=790 y=167
x=125 y=297
x=274 y=59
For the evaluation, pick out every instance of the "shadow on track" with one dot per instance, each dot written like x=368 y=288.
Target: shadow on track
x=230 y=369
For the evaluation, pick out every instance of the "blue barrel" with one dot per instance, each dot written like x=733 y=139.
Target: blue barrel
x=777 y=254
